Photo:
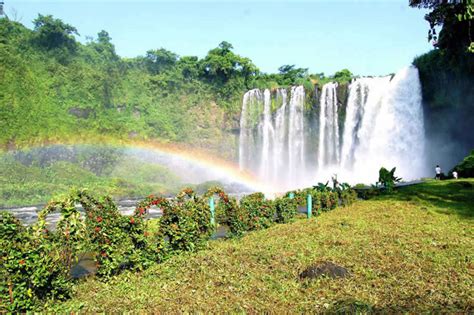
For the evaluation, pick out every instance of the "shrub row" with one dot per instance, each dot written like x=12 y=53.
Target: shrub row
x=36 y=261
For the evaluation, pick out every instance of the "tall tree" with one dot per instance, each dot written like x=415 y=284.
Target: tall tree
x=221 y=65
x=456 y=17
x=160 y=60
x=53 y=33
x=289 y=74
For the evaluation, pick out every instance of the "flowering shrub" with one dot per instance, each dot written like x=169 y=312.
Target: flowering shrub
x=257 y=212
x=329 y=200
x=110 y=236
x=348 y=197
x=285 y=209
x=30 y=268
x=186 y=223
x=228 y=212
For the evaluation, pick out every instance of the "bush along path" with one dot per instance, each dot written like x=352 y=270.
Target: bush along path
x=36 y=261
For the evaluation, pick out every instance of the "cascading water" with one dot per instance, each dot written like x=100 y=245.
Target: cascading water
x=381 y=124
x=389 y=129
x=328 y=150
x=272 y=141
x=296 y=139
x=281 y=135
x=267 y=134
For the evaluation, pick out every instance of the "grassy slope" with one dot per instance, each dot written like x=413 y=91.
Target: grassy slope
x=414 y=254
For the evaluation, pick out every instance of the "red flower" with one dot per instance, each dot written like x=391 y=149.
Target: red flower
x=99 y=219
x=141 y=211
x=146 y=234
x=97 y=229
x=132 y=220
x=21 y=262
x=103 y=254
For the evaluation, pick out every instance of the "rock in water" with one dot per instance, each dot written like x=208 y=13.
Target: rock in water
x=327 y=269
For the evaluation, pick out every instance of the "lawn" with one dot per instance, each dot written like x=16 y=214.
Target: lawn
x=412 y=251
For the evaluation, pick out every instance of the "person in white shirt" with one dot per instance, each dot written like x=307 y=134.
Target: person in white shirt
x=455 y=175
x=438 y=172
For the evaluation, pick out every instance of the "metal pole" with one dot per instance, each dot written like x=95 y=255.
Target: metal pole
x=211 y=206
x=309 y=205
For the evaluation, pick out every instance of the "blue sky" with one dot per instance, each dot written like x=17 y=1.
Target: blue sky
x=367 y=37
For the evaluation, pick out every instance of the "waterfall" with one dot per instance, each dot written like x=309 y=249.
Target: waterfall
x=281 y=130
x=382 y=123
x=250 y=104
x=389 y=128
x=328 y=149
x=267 y=131
x=296 y=141
x=365 y=97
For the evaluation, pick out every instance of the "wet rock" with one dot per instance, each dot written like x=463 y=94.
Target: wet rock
x=327 y=269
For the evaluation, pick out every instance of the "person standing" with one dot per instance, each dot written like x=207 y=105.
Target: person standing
x=438 y=172
x=455 y=175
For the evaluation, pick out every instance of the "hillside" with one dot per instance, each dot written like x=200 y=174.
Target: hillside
x=411 y=251
x=55 y=88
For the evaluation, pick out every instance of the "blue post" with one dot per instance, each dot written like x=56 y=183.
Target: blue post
x=292 y=195
x=309 y=205
x=211 y=205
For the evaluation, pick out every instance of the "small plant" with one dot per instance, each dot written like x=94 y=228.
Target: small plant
x=388 y=179
x=186 y=223
x=228 y=212
x=286 y=209
x=257 y=212
x=322 y=187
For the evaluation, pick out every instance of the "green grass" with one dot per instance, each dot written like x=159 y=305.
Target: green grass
x=403 y=255
x=447 y=196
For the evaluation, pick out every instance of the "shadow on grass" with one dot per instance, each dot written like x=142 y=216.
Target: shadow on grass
x=448 y=197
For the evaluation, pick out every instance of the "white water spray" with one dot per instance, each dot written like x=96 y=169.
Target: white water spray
x=383 y=126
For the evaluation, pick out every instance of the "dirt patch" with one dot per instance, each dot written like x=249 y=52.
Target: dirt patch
x=327 y=269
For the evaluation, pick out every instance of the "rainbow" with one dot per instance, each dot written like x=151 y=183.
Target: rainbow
x=193 y=156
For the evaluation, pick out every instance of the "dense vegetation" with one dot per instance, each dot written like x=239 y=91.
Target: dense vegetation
x=52 y=87
x=466 y=167
x=447 y=77
x=410 y=251
x=37 y=260
x=36 y=175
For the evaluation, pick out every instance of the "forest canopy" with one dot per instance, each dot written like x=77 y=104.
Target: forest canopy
x=53 y=87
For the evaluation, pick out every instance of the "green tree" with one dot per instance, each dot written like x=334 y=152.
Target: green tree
x=53 y=33
x=343 y=76
x=189 y=67
x=103 y=45
x=160 y=60
x=221 y=64
x=456 y=19
x=289 y=74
